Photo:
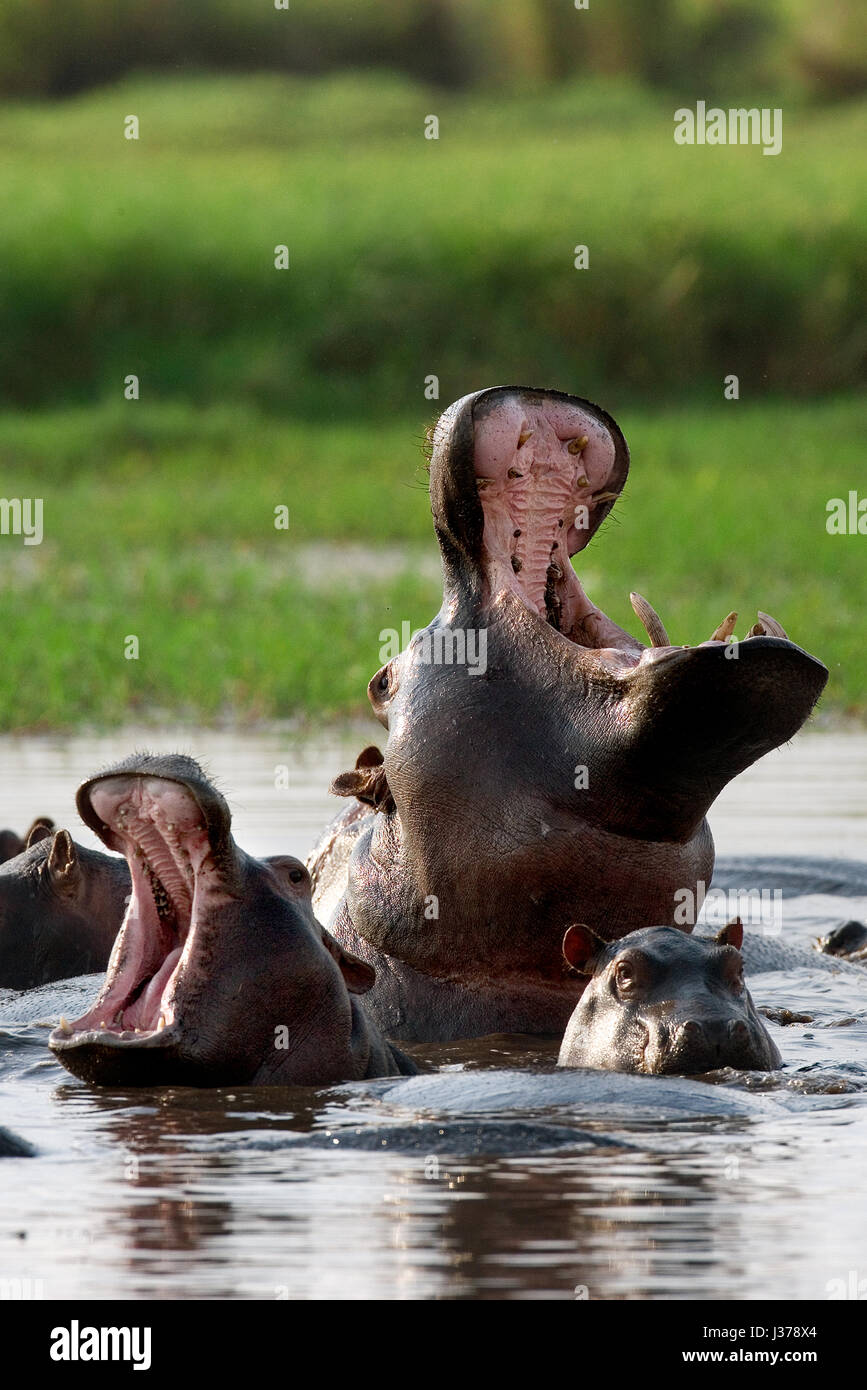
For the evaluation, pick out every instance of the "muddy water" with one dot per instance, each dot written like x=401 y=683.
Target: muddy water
x=483 y=1180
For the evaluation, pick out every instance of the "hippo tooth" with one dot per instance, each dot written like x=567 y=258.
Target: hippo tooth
x=771 y=626
x=102 y=1023
x=64 y=1026
x=513 y=473
x=524 y=436
x=725 y=629
x=162 y=1023
x=651 y=621
x=582 y=480
x=482 y=483
x=756 y=630
x=576 y=445
x=605 y=497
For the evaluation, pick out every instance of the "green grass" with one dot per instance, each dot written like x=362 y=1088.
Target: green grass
x=411 y=257
x=159 y=523
x=305 y=388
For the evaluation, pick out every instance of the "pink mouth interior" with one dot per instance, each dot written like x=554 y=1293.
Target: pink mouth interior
x=543 y=470
x=160 y=828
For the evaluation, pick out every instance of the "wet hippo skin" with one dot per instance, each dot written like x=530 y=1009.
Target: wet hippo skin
x=566 y=777
x=60 y=909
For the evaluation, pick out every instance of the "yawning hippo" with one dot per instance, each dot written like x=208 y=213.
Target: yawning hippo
x=659 y=1001
x=541 y=763
x=220 y=973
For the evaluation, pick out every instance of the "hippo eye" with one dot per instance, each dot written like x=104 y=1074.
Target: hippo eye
x=296 y=875
x=624 y=975
x=382 y=683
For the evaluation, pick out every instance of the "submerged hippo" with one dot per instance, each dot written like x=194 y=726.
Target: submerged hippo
x=12 y=844
x=220 y=973
x=659 y=1001
x=60 y=909
x=541 y=763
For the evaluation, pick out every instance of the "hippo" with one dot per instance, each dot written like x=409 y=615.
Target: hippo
x=60 y=909
x=542 y=765
x=849 y=939
x=662 y=1002
x=221 y=974
x=12 y=844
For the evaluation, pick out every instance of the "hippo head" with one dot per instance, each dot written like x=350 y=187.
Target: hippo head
x=662 y=1002
x=220 y=973
x=60 y=908
x=538 y=755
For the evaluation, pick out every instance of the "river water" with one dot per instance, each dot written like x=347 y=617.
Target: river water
x=487 y=1179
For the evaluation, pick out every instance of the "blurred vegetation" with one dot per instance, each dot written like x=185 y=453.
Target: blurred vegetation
x=699 y=47
x=410 y=257
x=165 y=530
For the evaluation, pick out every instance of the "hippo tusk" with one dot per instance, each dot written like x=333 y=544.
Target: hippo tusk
x=524 y=436
x=725 y=629
x=756 y=630
x=771 y=626
x=605 y=497
x=651 y=621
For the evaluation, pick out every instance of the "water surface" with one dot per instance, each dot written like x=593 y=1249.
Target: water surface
x=219 y=1194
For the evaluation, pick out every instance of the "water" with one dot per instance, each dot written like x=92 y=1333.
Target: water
x=219 y=1194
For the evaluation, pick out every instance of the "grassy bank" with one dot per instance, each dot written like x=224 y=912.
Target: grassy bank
x=158 y=522
x=411 y=256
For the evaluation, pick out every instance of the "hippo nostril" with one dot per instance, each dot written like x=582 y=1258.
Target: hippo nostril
x=738 y=1031
x=691 y=1031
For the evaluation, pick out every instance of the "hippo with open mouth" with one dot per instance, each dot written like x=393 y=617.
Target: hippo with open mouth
x=220 y=974
x=568 y=773
x=662 y=1002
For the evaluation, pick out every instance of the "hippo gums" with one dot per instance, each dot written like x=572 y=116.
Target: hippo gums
x=542 y=765
x=220 y=973
x=660 y=1001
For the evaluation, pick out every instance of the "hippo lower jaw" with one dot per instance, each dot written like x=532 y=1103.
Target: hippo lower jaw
x=157 y=957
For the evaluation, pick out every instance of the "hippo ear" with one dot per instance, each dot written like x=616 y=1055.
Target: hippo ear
x=732 y=934
x=63 y=867
x=41 y=827
x=581 y=946
x=369 y=757
x=358 y=976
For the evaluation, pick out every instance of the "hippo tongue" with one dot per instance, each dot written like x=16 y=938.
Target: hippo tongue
x=144 y=1012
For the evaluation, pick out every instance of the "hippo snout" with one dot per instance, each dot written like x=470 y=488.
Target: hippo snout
x=704 y=1044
